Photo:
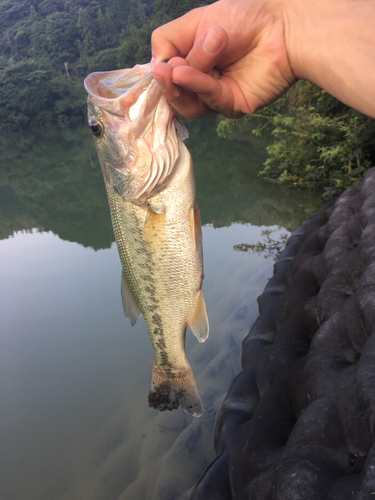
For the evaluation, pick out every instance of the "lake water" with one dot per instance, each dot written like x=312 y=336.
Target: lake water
x=74 y=374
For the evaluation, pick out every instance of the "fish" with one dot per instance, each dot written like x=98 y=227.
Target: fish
x=149 y=178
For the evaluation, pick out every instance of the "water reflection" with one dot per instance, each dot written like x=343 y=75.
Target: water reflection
x=74 y=414
x=75 y=374
x=269 y=246
x=52 y=180
x=54 y=186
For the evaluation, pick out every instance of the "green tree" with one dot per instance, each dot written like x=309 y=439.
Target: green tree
x=119 y=11
x=39 y=36
x=137 y=14
x=86 y=42
x=38 y=45
x=47 y=7
x=135 y=47
x=107 y=31
x=318 y=141
x=171 y=9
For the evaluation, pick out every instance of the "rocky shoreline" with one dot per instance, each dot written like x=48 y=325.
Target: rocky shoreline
x=298 y=422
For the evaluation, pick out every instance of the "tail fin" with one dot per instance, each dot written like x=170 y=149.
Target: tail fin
x=172 y=391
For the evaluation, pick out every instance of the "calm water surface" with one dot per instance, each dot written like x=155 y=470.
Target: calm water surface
x=74 y=374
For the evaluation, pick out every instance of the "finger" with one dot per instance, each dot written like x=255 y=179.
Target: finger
x=221 y=95
x=182 y=99
x=163 y=75
x=207 y=49
x=176 y=37
x=194 y=94
x=177 y=61
x=189 y=105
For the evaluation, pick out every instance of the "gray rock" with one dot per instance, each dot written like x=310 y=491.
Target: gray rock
x=299 y=421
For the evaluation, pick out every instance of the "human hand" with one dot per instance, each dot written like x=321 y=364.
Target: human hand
x=229 y=57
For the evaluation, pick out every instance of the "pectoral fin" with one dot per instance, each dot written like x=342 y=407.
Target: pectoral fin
x=198 y=322
x=153 y=225
x=181 y=129
x=131 y=308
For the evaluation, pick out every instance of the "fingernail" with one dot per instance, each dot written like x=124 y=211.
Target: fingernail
x=152 y=62
x=161 y=83
x=212 y=42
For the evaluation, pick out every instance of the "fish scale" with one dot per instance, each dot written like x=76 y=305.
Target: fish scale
x=133 y=247
x=155 y=218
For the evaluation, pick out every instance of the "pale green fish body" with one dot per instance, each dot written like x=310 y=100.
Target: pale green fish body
x=149 y=178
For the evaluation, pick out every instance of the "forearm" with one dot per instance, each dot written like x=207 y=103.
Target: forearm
x=332 y=43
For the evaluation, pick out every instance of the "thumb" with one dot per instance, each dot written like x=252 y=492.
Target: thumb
x=207 y=49
x=176 y=37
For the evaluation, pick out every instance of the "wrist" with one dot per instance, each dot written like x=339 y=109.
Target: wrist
x=302 y=35
x=332 y=45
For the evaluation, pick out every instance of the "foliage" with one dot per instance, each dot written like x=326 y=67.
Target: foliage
x=318 y=141
x=135 y=46
x=38 y=38
x=32 y=95
x=166 y=10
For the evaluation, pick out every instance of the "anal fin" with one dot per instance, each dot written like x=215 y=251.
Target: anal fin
x=198 y=321
x=131 y=308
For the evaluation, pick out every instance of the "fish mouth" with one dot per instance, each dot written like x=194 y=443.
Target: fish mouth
x=109 y=89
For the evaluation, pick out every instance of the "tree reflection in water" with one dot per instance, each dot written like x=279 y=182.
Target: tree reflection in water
x=269 y=246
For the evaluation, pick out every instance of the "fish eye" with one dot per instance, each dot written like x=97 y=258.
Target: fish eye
x=96 y=129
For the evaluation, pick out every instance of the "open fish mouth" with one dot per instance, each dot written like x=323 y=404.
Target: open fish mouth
x=105 y=88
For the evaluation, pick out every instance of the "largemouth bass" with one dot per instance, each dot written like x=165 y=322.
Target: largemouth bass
x=149 y=178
